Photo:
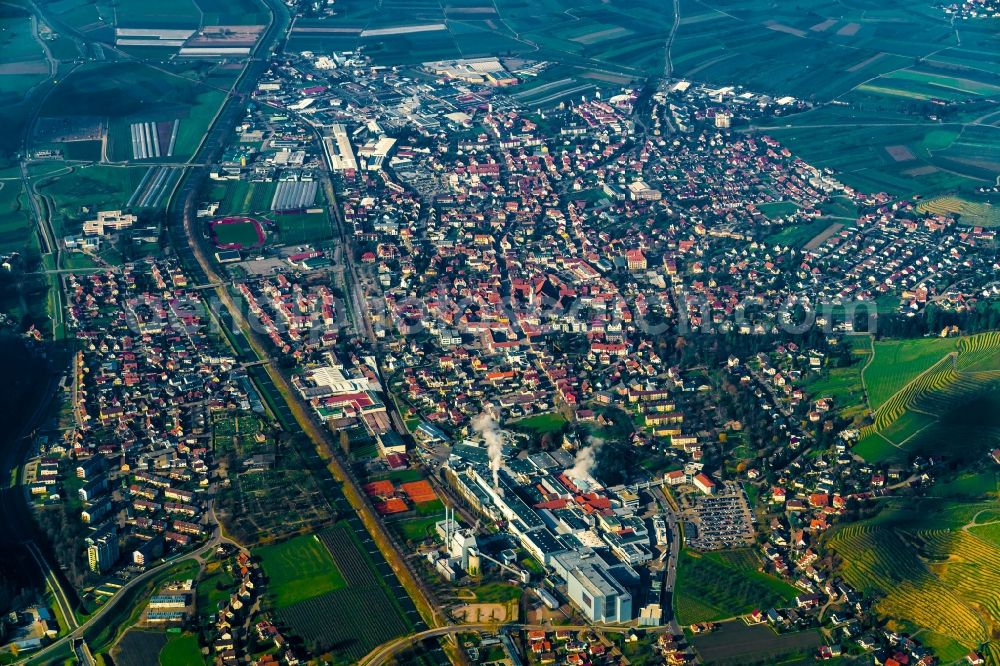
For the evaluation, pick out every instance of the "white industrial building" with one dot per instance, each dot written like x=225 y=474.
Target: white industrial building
x=602 y=591
x=339 y=150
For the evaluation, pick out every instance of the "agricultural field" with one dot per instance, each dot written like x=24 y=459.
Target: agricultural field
x=595 y=44
x=989 y=532
x=94 y=187
x=774 y=49
x=298 y=569
x=932 y=79
x=738 y=643
x=817 y=51
x=141 y=94
x=139 y=648
x=135 y=87
x=158 y=14
x=875 y=149
x=155 y=188
x=232 y=12
x=720 y=585
x=23 y=63
x=93 y=19
x=181 y=650
x=84 y=151
x=927 y=566
x=944 y=396
x=897 y=362
x=341 y=620
x=96 y=19
x=24 y=72
x=16 y=226
x=970 y=213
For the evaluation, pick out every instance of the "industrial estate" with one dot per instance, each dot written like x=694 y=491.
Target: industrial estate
x=404 y=332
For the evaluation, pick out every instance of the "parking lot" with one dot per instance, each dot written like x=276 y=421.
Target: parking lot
x=723 y=520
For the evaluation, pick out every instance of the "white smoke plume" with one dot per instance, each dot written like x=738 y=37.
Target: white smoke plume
x=585 y=460
x=490 y=431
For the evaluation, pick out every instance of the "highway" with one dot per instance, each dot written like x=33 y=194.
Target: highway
x=50 y=579
x=387 y=651
x=668 y=60
x=675 y=527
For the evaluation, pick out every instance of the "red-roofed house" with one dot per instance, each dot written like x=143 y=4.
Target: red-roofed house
x=636 y=260
x=704 y=484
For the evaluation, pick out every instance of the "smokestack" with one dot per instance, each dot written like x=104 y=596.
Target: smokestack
x=490 y=432
x=585 y=460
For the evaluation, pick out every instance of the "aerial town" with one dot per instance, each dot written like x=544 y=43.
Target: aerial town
x=425 y=369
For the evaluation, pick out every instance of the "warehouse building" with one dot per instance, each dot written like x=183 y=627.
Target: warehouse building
x=602 y=591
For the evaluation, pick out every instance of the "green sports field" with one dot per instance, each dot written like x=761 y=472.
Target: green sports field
x=243 y=234
x=298 y=228
x=299 y=569
x=415 y=529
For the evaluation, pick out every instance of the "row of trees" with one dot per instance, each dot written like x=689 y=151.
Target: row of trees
x=984 y=316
